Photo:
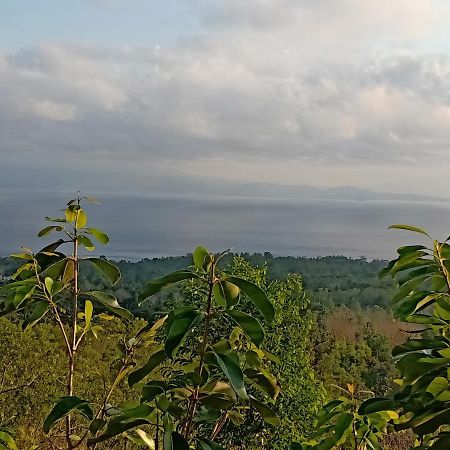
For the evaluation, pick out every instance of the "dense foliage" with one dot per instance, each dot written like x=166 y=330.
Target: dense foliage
x=230 y=351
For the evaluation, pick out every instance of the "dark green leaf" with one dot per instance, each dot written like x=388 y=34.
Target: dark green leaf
x=48 y=229
x=373 y=405
x=39 y=311
x=106 y=268
x=179 y=323
x=234 y=374
x=114 y=428
x=268 y=414
x=252 y=328
x=154 y=361
x=111 y=303
x=63 y=407
x=256 y=295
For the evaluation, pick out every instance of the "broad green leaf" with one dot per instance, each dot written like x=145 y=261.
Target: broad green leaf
x=202 y=258
x=252 y=328
x=8 y=440
x=268 y=414
x=55 y=270
x=409 y=228
x=110 y=302
x=106 y=268
x=48 y=229
x=155 y=286
x=233 y=373
x=63 y=407
x=22 y=256
x=85 y=242
x=88 y=311
x=374 y=405
x=69 y=271
x=342 y=428
x=101 y=237
x=437 y=386
x=432 y=422
x=48 y=284
x=39 y=311
x=264 y=381
x=179 y=323
x=410 y=249
x=226 y=294
x=154 y=361
x=115 y=428
x=70 y=214
x=177 y=442
x=81 y=219
x=256 y=295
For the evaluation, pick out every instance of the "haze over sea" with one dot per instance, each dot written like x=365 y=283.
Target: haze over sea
x=154 y=226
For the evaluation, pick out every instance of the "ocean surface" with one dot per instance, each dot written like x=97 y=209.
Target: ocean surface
x=154 y=226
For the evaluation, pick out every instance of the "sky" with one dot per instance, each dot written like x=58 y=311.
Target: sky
x=131 y=95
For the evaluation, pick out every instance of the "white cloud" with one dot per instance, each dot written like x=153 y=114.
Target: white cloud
x=330 y=82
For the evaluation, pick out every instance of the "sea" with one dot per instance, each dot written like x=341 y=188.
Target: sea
x=149 y=226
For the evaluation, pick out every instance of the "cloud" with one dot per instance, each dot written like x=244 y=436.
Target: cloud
x=329 y=82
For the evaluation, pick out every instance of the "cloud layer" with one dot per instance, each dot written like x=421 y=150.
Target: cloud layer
x=331 y=83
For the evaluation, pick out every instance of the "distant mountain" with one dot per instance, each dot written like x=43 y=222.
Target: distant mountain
x=100 y=183
x=299 y=192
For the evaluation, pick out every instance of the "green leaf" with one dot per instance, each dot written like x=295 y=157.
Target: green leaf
x=252 y=328
x=233 y=373
x=207 y=444
x=202 y=258
x=256 y=295
x=110 y=302
x=48 y=229
x=55 y=219
x=88 y=311
x=155 y=286
x=101 y=237
x=177 y=442
x=81 y=219
x=70 y=214
x=39 y=311
x=63 y=407
x=106 y=268
x=55 y=270
x=85 y=242
x=5 y=437
x=179 y=323
x=409 y=228
x=155 y=360
x=342 y=428
x=268 y=414
x=48 y=284
x=114 y=428
x=374 y=405
x=226 y=294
